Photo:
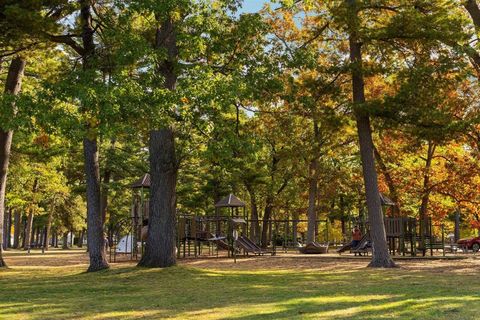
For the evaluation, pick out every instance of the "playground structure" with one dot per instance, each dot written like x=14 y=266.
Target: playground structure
x=228 y=230
x=405 y=236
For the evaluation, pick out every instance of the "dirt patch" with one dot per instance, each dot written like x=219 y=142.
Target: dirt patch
x=280 y=262
x=51 y=258
x=58 y=258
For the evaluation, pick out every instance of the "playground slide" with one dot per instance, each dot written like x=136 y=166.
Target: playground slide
x=345 y=247
x=251 y=243
x=221 y=244
x=363 y=242
x=249 y=246
x=362 y=245
x=245 y=246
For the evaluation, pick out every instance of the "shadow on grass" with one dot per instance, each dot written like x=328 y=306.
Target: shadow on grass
x=186 y=293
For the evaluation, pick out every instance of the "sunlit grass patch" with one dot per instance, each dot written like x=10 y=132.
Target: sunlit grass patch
x=226 y=292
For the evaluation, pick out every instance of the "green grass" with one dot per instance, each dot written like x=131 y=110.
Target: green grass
x=127 y=292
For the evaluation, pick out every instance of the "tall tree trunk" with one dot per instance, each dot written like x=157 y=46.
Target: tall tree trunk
x=28 y=236
x=295 y=218
x=426 y=195
x=28 y=230
x=106 y=181
x=9 y=228
x=389 y=180
x=104 y=194
x=267 y=215
x=13 y=85
x=48 y=229
x=35 y=236
x=474 y=12
x=254 y=223
x=381 y=256
x=65 y=240
x=55 y=239
x=6 y=232
x=41 y=242
x=457 y=225
x=160 y=246
x=17 y=229
x=24 y=229
x=312 y=197
x=426 y=181
x=270 y=198
x=80 y=238
x=96 y=245
x=313 y=174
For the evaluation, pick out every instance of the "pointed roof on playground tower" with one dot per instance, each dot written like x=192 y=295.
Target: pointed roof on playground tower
x=143 y=182
x=230 y=201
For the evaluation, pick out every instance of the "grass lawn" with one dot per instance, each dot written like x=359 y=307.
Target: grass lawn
x=54 y=286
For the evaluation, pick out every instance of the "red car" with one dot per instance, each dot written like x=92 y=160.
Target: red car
x=470 y=243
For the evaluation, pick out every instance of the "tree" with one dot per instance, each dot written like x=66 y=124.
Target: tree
x=87 y=53
x=12 y=88
x=160 y=245
x=381 y=255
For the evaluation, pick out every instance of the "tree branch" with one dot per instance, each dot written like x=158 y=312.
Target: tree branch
x=68 y=40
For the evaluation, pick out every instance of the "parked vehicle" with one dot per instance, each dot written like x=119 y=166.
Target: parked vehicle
x=470 y=243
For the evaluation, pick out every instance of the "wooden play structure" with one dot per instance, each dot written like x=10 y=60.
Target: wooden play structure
x=405 y=236
x=227 y=230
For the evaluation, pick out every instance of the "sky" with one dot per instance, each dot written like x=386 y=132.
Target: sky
x=253 y=5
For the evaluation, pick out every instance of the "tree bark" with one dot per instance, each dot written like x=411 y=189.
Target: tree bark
x=65 y=240
x=106 y=181
x=6 y=228
x=457 y=225
x=9 y=228
x=474 y=11
x=95 y=237
x=36 y=236
x=24 y=229
x=28 y=230
x=80 y=238
x=96 y=245
x=104 y=194
x=389 y=180
x=267 y=215
x=254 y=223
x=426 y=195
x=313 y=174
x=380 y=256
x=312 y=197
x=41 y=242
x=17 y=229
x=13 y=85
x=48 y=229
x=271 y=196
x=160 y=246
x=55 y=240
x=3 y=232
x=426 y=181
x=295 y=218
